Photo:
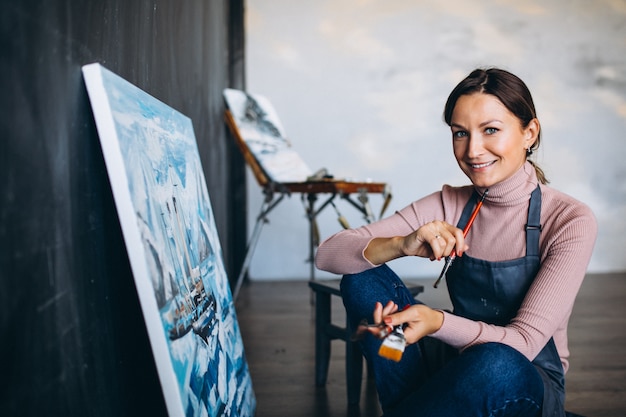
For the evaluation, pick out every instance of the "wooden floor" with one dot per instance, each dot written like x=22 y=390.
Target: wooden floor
x=277 y=326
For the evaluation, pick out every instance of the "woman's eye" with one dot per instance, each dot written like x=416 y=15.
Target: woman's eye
x=491 y=130
x=459 y=134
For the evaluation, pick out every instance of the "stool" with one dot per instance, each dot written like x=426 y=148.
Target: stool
x=326 y=331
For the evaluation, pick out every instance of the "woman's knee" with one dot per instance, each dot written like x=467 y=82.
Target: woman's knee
x=358 y=295
x=379 y=283
x=362 y=284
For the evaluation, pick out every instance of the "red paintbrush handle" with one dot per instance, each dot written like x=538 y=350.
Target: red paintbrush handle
x=471 y=220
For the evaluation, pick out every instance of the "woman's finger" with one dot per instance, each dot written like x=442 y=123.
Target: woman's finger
x=389 y=308
x=445 y=239
x=378 y=313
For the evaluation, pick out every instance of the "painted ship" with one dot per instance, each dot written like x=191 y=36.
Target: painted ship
x=191 y=307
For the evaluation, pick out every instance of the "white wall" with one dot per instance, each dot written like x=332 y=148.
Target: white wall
x=360 y=87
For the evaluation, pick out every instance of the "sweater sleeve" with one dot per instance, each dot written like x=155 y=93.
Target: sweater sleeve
x=570 y=233
x=343 y=252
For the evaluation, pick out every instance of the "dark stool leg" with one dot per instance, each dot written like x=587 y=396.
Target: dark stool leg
x=354 y=369
x=322 y=339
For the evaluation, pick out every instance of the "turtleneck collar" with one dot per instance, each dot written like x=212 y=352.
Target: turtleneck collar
x=515 y=189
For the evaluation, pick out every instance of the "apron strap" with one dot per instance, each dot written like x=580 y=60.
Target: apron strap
x=533 y=227
x=467 y=210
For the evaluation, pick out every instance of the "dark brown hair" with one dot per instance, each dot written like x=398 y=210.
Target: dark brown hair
x=512 y=93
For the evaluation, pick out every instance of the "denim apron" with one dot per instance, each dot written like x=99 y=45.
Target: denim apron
x=492 y=292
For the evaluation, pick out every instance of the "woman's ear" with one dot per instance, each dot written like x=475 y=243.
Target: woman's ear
x=532 y=133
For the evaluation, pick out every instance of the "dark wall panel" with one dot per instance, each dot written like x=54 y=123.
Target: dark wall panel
x=73 y=341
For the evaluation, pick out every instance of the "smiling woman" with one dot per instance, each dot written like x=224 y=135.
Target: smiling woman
x=495 y=105
x=518 y=271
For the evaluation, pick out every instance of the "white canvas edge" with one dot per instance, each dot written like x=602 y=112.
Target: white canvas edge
x=92 y=74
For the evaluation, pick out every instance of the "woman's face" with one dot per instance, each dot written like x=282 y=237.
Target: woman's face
x=488 y=140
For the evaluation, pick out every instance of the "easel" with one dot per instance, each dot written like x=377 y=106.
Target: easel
x=310 y=187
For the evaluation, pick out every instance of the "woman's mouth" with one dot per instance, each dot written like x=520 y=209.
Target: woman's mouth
x=483 y=165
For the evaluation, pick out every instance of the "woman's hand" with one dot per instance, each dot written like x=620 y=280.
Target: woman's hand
x=420 y=320
x=434 y=240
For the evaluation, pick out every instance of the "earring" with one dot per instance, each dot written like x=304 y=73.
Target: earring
x=529 y=151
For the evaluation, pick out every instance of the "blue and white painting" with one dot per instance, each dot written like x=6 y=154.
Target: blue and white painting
x=261 y=129
x=167 y=220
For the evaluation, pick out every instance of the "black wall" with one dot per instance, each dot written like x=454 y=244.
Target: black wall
x=72 y=337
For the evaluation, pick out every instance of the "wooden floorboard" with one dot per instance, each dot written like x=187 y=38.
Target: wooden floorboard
x=277 y=326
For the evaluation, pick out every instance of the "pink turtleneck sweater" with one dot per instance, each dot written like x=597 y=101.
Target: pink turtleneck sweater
x=566 y=243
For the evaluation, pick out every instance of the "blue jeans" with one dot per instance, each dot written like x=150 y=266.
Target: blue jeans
x=490 y=379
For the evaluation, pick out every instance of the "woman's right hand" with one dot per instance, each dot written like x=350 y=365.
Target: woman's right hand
x=434 y=240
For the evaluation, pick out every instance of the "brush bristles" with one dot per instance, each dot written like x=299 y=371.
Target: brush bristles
x=392 y=350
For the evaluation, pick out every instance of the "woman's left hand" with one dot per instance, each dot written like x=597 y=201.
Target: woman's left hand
x=420 y=319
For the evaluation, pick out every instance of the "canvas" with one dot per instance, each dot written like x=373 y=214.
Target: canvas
x=265 y=136
x=167 y=221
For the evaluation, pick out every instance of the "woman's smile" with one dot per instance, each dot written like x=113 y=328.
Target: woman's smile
x=483 y=165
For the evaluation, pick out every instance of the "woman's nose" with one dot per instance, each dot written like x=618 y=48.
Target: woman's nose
x=474 y=147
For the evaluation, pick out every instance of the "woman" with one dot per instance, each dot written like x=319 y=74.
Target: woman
x=503 y=351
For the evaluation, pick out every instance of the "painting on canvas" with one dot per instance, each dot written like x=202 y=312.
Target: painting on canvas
x=166 y=216
x=265 y=136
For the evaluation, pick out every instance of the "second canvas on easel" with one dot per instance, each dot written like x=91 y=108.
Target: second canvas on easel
x=265 y=136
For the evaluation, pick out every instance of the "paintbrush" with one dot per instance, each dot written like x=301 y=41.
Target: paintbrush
x=363 y=328
x=394 y=343
x=342 y=220
x=393 y=338
x=393 y=346
x=452 y=255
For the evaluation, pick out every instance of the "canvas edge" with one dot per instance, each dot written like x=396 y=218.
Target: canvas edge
x=92 y=74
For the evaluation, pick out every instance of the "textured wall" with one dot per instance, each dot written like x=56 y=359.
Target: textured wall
x=73 y=338
x=360 y=88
